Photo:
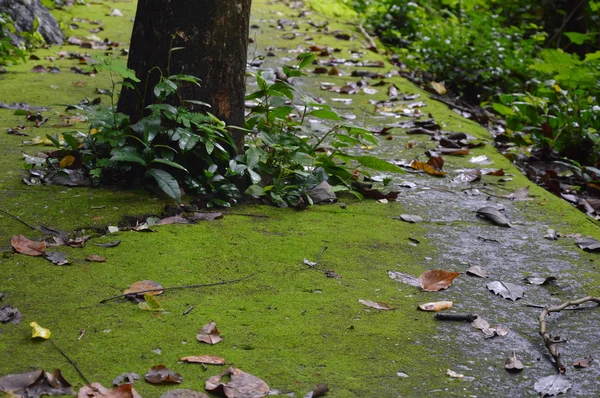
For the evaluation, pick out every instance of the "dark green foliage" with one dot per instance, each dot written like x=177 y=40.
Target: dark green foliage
x=10 y=53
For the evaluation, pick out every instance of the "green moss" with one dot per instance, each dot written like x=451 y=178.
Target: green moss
x=333 y=8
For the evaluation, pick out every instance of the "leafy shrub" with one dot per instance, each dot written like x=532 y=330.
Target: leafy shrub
x=9 y=52
x=288 y=156
x=176 y=147
x=171 y=145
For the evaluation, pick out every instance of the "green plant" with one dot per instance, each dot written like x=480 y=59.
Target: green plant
x=289 y=156
x=10 y=53
x=172 y=145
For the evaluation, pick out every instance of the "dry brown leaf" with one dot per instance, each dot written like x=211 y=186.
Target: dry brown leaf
x=427 y=168
x=375 y=304
x=436 y=306
x=28 y=247
x=40 y=382
x=160 y=374
x=66 y=161
x=240 y=385
x=141 y=286
x=583 y=362
x=206 y=359
x=435 y=280
x=97 y=390
x=209 y=334
x=513 y=364
x=497 y=173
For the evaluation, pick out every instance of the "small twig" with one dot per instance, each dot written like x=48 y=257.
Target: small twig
x=372 y=44
x=177 y=287
x=19 y=220
x=320 y=254
x=81 y=334
x=455 y=317
x=70 y=361
x=189 y=310
x=551 y=342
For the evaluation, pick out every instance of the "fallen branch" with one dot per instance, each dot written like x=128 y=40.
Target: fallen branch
x=178 y=287
x=551 y=342
x=372 y=44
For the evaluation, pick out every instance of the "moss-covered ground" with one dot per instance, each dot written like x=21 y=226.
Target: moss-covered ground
x=288 y=324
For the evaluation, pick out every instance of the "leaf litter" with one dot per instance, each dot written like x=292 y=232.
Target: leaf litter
x=160 y=374
x=552 y=385
x=35 y=384
x=209 y=334
x=429 y=281
x=240 y=385
x=375 y=304
x=506 y=290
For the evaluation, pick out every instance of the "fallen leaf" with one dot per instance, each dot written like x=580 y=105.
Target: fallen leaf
x=375 y=304
x=150 y=303
x=204 y=216
x=513 y=364
x=436 y=306
x=497 y=173
x=452 y=373
x=160 y=374
x=427 y=168
x=320 y=390
x=410 y=218
x=127 y=378
x=551 y=235
x=58 y=258
x=507 y=290
x=174 y=220
x=94 y=258
x=476 y=270
x=206 y=359
x=480 y=160
x=489 y=331
x=109 y=244
x=435 y=280
x=10 y=314
x=35 y=384
x=494 y=215
x=28 y=247
x=240 y=385
x=540 y=281
x=552 y=385
x=404 y=278
x=140 y=286
x=583 y=362
x=209 y=334
x=588 y=244
x=39 y=331
x=438 y=87
x=97 y=390
x=467 y=176
x=66 y=161
x=519 y=194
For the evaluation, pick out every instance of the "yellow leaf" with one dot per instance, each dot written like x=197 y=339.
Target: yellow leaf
x=557 y=88
x=66 y=161
x=151 y=303
x=438 y=87
x=94 y=131
x=39 y=331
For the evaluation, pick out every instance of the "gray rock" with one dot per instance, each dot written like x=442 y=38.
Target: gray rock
x=24 y=12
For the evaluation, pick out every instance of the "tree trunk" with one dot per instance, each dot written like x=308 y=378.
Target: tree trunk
x=214 y=37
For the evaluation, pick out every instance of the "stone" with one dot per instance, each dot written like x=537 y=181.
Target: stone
x=24 y=12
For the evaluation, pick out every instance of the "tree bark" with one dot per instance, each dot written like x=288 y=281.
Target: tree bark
x=214 y=37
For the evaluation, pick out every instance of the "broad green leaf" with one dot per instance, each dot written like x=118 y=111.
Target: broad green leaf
x=254 y=176
x=306 y=59
x=281 y=112
x=324 y=114
x=375 y=163
x=163 y=107
x=125 y=155
x=592 y=56
x=169 y=163
x=166 y=182
x=577 y=38
x=195 y=102
x=503 y=109
x=253 y=156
